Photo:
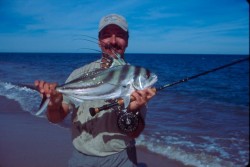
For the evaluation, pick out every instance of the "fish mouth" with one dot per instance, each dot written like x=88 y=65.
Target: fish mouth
x=142 y=82
x=154 y=79
x=113 y=50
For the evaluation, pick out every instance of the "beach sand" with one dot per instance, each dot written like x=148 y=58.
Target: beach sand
x=29 y=141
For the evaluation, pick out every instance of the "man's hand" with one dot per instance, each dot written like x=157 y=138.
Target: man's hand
x=49 y=90
x=141 y=98
x=56 y=110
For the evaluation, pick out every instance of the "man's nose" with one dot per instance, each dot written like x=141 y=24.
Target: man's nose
x=113 y=39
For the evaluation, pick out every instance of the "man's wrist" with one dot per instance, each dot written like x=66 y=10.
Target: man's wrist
x=54 y=107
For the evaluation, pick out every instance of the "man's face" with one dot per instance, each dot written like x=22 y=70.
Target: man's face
x=113 y=39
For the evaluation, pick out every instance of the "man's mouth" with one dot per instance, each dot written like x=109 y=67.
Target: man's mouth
x=113 y=48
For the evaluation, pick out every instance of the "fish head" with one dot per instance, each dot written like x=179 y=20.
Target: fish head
x=118 y=61
x=144 y=79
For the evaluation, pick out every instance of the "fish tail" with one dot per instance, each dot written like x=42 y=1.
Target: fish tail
x=44 y=104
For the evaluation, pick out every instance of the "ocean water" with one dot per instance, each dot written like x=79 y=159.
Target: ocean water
x=202 y=122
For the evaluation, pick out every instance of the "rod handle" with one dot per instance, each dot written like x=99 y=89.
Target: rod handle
x=119 y=102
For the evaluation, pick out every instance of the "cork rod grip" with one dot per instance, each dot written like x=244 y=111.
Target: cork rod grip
x=119 y=102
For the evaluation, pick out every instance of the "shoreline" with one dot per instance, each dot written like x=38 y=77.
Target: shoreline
x=26 y=140
x=30 y=141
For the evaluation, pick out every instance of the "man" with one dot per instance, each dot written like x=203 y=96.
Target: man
x=98 y=140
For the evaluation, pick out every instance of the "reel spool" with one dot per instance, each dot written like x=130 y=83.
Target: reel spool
x=128 y=121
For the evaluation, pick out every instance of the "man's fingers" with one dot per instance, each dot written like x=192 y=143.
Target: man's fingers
x=41 y=86
x=150 y=93
x=53 y=86
x=46 y=88
x=36 y=83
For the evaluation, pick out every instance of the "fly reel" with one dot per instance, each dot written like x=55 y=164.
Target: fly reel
x=128 y=121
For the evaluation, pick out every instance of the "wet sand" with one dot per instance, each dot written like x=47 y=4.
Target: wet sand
x=29 y=141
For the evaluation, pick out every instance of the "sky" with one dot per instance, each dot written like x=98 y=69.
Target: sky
x=155 y=26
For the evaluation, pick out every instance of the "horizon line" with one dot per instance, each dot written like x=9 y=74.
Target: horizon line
x=126 y=53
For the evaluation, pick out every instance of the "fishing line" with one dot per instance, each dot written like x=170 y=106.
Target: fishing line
x=120 y=102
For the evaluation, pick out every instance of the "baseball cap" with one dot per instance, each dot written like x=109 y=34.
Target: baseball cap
x=113 y=19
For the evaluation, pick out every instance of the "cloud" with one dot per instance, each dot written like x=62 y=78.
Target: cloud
x=154 y=24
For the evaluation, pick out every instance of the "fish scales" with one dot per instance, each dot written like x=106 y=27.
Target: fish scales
x=109 y=83
x=92 y=80
x=90 y=74
x=110 y=80
x=102 y=84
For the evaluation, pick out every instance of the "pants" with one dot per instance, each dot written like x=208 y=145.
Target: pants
x=125 y=158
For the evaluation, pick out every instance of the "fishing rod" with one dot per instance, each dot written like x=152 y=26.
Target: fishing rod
x=120 y=102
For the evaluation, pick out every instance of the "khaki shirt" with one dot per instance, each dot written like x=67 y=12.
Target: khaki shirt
x=98 y=135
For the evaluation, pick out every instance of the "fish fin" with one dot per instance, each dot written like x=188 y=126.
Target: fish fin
x=88 y=74
x=126 y=101
x=76 y=101
x=43 y=106
x=42 y=102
